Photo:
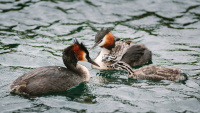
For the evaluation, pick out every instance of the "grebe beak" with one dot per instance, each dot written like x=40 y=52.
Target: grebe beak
x=96 y=44
x=92 y=62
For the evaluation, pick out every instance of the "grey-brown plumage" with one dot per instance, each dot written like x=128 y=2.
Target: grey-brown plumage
x=131 y=53
x=45 y=80
x=151 y=72
x=119 y=50
x=55 y=78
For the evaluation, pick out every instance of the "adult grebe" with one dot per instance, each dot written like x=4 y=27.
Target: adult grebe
x=127 y=51
x=151 y=72
x=55 y=78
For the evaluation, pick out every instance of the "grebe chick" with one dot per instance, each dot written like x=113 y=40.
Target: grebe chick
x=151 y=72
x=127 y=51
x=52 y=79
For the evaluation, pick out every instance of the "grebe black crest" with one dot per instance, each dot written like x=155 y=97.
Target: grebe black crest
x=52 y=79
x=127 y=51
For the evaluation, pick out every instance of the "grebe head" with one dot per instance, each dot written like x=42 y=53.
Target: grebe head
x=77 y=52
x=105 y=39
x=120 y=65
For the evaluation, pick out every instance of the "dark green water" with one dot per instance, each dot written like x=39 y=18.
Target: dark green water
x=33 y=33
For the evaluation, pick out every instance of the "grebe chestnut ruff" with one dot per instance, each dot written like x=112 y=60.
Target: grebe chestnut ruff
x=151 y=72
x=55 y=78
x=127 y=51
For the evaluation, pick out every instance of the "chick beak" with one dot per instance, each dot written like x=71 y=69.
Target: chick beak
x=96 y=44
x=92 y=62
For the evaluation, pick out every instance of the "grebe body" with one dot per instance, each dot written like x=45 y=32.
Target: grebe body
x=151 y=72
x=127 y=51
x=52 y=79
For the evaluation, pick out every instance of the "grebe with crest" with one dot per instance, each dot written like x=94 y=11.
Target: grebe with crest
x=127 y=51
x=52 y=79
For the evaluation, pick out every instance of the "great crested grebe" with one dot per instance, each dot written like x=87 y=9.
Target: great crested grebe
x=55 y=78
x=127 y=51
x=151 y=72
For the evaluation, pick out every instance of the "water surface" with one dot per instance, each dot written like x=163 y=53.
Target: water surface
x=33 y=33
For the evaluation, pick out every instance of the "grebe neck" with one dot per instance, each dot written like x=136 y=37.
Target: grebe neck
x=98 y=59
x=105 y=51
x=83 y=71
x=76 y=68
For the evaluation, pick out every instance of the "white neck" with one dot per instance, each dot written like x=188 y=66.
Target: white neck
x=84 y=71
x=98 y=60
x=105 y=51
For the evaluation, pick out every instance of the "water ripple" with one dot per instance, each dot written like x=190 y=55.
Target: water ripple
x=33 y=33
